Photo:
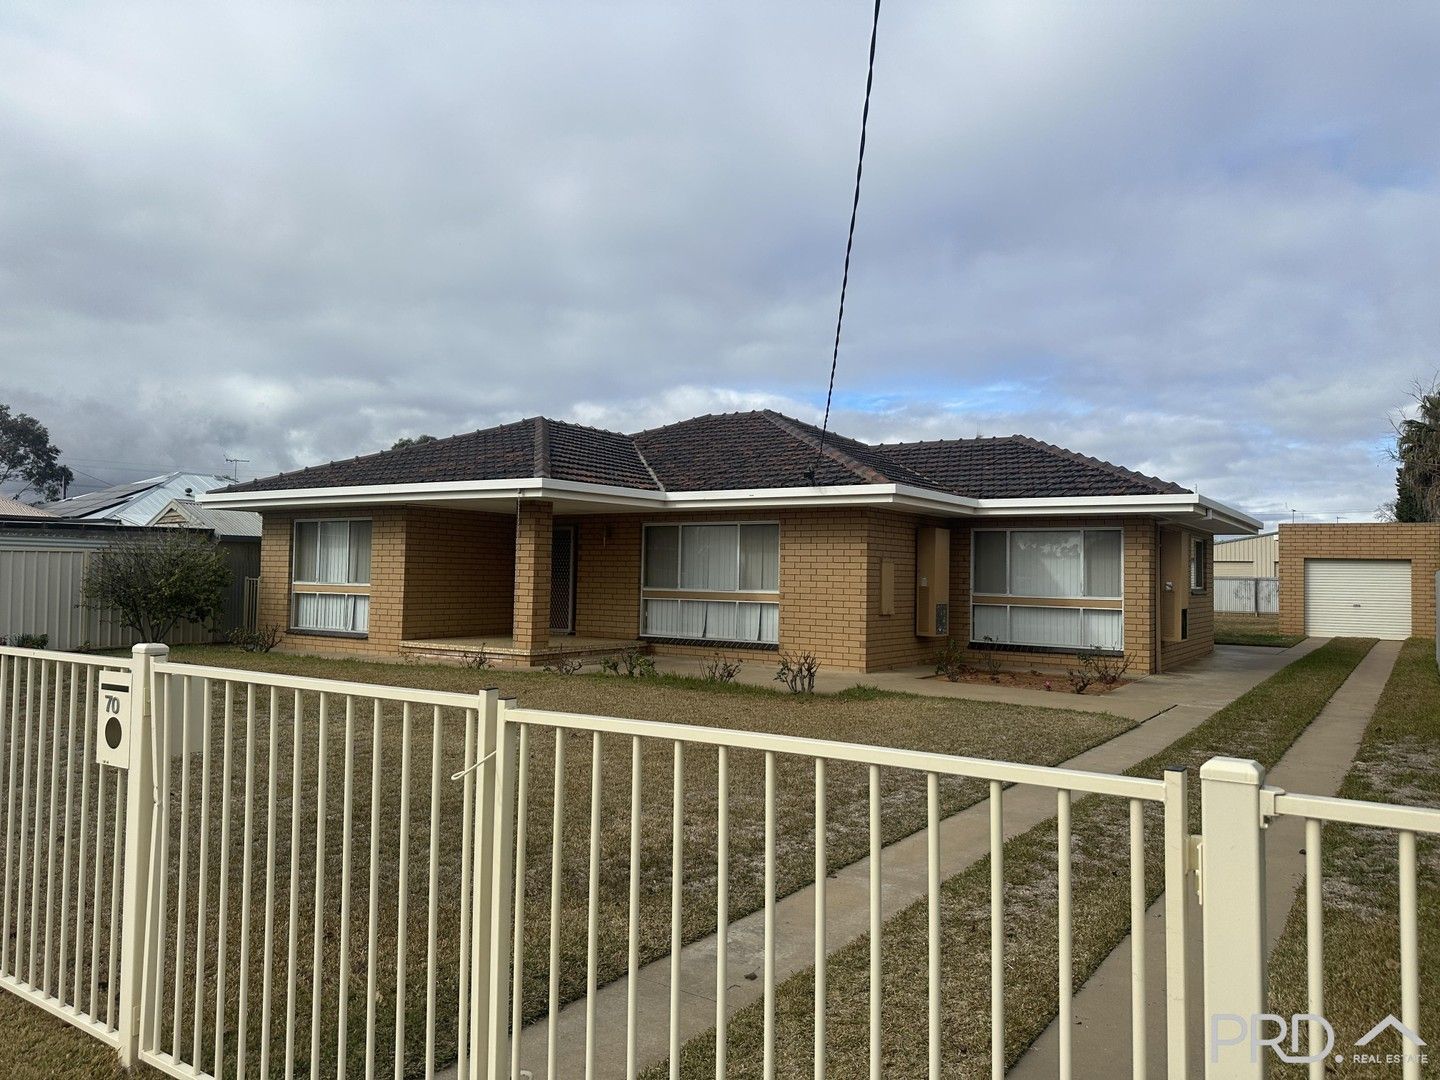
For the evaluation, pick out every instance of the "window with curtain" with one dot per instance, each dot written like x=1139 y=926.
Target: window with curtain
x=335 y=553
x=1197 y=565
x=1048 y=564
x=706 y=559
x=332 y=552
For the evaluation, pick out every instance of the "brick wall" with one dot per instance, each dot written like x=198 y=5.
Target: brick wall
x=1420 y=543
x=387 y=576
x=452 y=573
x=1201 y=620
x=534 y=523
x=459 y=573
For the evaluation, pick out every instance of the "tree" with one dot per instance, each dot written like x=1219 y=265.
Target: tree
x=158 y=579
x=1417 y=449
x=26 y=453
x=406 y=440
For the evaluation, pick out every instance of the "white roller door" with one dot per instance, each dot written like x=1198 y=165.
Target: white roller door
x=1357 y=598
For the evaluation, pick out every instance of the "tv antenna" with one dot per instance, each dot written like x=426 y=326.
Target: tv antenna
x=234 y=473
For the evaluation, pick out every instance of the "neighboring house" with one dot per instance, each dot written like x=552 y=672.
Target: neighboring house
x=43 y=562
x=736 y=533
x=1248 y=557
x=137 y=503
x=238 y=533
x=1359 y=580
x=14 y=508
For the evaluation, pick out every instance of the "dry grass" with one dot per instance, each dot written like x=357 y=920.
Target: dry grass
x=1396 y=763
x=1260 y=724
x=1236 y=629
x=943 y=725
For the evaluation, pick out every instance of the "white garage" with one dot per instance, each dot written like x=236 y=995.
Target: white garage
x=1357 y=598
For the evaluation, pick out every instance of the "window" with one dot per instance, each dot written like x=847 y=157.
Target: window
x=335 y=553
x=705 y=559
x=1048 y=564
x=332 y=552
x=1197 y=565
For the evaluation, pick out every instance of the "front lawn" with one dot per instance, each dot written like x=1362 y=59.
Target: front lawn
x=1396 y=763
x=1233 y=629
x=1260 y=724
x=862 y=715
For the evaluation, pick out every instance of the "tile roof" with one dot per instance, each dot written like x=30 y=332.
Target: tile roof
x=730 y=451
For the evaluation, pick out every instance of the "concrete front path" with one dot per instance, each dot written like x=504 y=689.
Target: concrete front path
x=964 y=839
x=1315 y=765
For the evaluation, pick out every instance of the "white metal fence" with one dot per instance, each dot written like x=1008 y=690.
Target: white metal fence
x=303 y=875
x=1247 y=596
x=65 y=851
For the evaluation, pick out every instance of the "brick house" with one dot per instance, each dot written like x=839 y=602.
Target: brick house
x=739 y=533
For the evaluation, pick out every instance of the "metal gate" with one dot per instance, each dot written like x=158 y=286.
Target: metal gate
x=223 y=872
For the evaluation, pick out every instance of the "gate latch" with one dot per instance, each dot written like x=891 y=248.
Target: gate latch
x=1194 y=861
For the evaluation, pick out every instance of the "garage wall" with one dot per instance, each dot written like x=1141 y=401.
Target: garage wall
x=1366 y=540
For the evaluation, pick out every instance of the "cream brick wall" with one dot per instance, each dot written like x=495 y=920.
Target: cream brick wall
x=1420 y=543
x=534 y=525
x=459 y=573
x=451 y=573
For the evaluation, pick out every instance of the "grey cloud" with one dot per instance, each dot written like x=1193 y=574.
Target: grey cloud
x=1198 y=241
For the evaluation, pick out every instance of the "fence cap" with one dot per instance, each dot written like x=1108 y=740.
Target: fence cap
x=1231 y=770
x=150 y=648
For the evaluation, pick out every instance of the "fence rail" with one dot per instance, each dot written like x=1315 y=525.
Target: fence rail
x=295 y=874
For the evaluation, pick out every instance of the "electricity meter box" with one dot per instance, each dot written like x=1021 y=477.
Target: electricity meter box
x=932 y=581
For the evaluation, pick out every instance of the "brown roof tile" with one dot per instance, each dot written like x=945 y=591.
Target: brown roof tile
x=762 y=449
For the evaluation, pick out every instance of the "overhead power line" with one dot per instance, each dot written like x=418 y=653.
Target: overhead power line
x=850 y=236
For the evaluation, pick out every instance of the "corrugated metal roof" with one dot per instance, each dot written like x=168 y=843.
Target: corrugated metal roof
x=14 y=508
x=232 y=524
x=138 y=503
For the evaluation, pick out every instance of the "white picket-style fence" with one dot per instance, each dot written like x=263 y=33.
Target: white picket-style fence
x=304 y=875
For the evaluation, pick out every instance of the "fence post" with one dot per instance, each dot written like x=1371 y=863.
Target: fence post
x=1233 y=917
x=482 y=881
x=1177 y=920
x=140 y=797
x=501 y=893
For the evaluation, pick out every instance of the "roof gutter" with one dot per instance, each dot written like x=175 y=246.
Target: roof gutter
x=1194 y=509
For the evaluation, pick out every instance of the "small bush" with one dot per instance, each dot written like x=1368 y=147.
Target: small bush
x=1080 y=678
x=1107 y=668
x=479 y=659
x=634 y=662
x=951 y=662
x=567 y=665
x=261 y=640
x=989 y=662
x=798 y=672
x=26 y=641
x=717 y=669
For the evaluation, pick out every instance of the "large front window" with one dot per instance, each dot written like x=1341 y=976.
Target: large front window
x=1048 y=588
x=712 y=582
x=330 y=577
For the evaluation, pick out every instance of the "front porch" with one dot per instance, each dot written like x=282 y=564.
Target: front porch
x=505 y=652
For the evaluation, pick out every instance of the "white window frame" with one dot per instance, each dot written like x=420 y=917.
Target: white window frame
x=660 y=592
x=1197 y=566
x=317 y=522
x=300 y=587
x=1027 y=646
x=1082 y=529
x=295 y=595
x=1081 y=608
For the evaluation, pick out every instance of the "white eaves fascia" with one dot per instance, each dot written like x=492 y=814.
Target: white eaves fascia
x=905 y=496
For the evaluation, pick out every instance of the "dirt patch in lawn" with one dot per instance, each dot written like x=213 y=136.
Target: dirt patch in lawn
x=1054 y=682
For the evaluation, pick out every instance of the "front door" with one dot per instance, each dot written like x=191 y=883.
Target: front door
x=562 y=580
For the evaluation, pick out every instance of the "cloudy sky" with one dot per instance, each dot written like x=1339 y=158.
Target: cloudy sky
x=1202 y=241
